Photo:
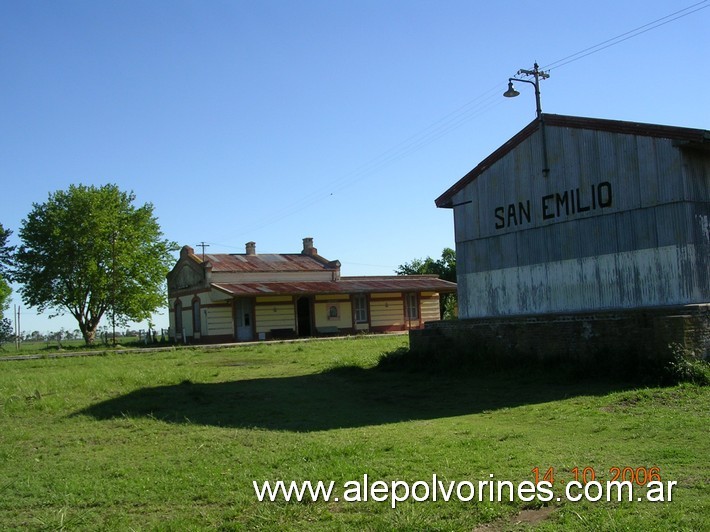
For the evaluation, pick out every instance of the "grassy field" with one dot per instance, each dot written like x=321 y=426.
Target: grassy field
x=63 y=346
x=174 y=440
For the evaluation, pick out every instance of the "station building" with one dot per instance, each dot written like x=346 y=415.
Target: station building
x=251 y=296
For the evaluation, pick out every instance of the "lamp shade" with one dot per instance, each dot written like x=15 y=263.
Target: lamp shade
x=511 y=92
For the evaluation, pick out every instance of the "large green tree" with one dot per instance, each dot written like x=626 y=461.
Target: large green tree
x=6 y=256
x=6 y=251
x=91 y=252
x=445 y=268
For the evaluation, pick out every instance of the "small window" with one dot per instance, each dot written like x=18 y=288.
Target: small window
x=333 y=312
x=360 y=308
x=412 y=306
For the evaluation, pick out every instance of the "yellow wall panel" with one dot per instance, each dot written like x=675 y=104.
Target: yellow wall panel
x=274 y=317
x=430 y=309
x=383 y=313
x=344 y=319
x=218 y=320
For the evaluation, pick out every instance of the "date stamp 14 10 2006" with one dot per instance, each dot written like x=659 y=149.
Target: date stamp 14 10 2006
x=620 y=486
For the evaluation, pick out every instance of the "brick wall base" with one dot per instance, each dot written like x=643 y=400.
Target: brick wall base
x=645 y=333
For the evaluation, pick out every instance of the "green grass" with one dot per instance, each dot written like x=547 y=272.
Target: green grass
x=173 y=440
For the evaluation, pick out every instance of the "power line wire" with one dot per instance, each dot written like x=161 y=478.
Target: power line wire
x=627 y=35
x=450 y=122
x=455 y=119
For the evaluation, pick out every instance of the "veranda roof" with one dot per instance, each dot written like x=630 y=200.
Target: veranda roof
x=345 y=285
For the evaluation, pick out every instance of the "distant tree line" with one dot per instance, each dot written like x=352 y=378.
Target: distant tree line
x=63 y=334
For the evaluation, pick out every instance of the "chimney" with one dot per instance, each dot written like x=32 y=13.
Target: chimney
x=251 y=248
x=185 y=251
x=308 y=248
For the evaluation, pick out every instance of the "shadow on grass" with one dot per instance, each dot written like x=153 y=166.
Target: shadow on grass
x=339 y=398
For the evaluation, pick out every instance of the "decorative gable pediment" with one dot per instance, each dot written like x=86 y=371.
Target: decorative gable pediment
x=186 y=277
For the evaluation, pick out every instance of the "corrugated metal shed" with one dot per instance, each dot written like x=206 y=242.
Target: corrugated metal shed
x=620 y=221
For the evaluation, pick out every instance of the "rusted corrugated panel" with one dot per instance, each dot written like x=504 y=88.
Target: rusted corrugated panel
x=252 y=289
x=264 y=263
x=346 y=285
x=399 y=283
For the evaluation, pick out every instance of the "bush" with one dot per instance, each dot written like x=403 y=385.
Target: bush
x=687 y=366
x=6 y=334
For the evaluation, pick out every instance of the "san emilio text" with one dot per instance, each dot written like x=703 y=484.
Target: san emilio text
x=567 y=203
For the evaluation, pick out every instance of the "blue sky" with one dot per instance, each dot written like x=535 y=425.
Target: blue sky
x=340 y=120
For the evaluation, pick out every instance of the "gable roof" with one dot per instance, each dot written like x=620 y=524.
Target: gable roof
x=687 y=137
x=251 y=262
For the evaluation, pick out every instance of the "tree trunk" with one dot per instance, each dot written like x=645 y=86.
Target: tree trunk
x=88 y=334
x=88 y=326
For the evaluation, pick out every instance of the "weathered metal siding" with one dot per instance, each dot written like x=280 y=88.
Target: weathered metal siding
x=621 y=221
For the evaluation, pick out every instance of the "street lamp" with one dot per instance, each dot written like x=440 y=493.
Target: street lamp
x=537 y=74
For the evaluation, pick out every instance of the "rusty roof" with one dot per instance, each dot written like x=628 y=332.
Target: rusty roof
x=346 y=285
x=693 y=137
x=269 y=262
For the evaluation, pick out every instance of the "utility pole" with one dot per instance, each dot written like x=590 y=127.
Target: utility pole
x=17 y=327
x=537 y=75
x=113 y=285
x=203 y=246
